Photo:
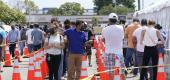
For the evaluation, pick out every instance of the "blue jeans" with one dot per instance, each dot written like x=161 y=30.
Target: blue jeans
x=131 y=54
x=161 y=50
x=30 y=48
x=21 y=47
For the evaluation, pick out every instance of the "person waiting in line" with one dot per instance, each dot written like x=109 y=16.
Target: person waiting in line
x=89 y=37
x=29 y=42
x=163 y=34
x=66 y=27
x=22 y=40
x=149 y=38
x=139 y=47
x=130 y=51
x=76 y=43
x=12 y=39
x=2 y=45
x=54 y=45
x=37 y=37
x=113 y=37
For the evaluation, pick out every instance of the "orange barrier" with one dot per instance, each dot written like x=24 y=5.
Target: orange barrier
x=16 y=74
x=26 y=53
x=37 y=74
x=30 y=74
x=161 y=75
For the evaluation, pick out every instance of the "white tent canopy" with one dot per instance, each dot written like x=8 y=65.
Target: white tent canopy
x=158 y=12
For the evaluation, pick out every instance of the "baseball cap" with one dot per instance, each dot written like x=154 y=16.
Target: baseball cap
x=113 y=16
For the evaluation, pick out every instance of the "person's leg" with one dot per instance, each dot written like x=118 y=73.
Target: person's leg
x=56 y=64
x=29 y=48
x=64 y=61
x=39 y=46
x=139 y=59
x=145 y=62
x=13 y=46
x=22 y=45
x=71 y=67
x=135 y=60
x=109 y=64
x=124 y=52
x=50 y=63
x=154 y=62
x=10 y=49
x=78 y=63
x=35 y=47
x=128 y=57
x=89 y=53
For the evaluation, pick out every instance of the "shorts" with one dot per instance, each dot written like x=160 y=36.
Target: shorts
x=109 y=61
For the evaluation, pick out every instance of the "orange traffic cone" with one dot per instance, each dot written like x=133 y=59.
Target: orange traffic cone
x=161 y=75
x=26 y=53
x=17 y=55
x=7 y=60
x=16 y=73
x=44 y=68
x=84 y=72
x=116 y=69
x=30 y=74
x=37 y=74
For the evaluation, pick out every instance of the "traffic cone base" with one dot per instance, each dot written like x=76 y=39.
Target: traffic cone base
x=26 y=53
x=161 y=75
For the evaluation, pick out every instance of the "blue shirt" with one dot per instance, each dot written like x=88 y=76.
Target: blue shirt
x=13 y=35
x=37 y=36
x=76 y=41
x=3 y=33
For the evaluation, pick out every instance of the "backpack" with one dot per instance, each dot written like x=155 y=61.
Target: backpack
x=1 y=38
x=23 y=34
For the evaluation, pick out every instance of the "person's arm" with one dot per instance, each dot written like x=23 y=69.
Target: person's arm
x=134 y=41
x=134 y=38
x=160 y=37
x=126 y=32
x=26 y=37
x=142 y=36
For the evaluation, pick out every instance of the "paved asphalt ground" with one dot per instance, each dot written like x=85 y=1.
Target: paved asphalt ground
x=23 y=67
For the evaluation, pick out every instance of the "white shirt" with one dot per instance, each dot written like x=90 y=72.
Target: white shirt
x=54 y=40
x=28 y=34
x=137 y=34
x=150 y=37
x=113 y=35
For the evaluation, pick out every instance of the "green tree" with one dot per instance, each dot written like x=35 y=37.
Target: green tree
x=30 y=6
x=101 y=3
x=94 y=21
x=121 y=10
x=71 y=8
x=55 y=12
x=8 y=15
